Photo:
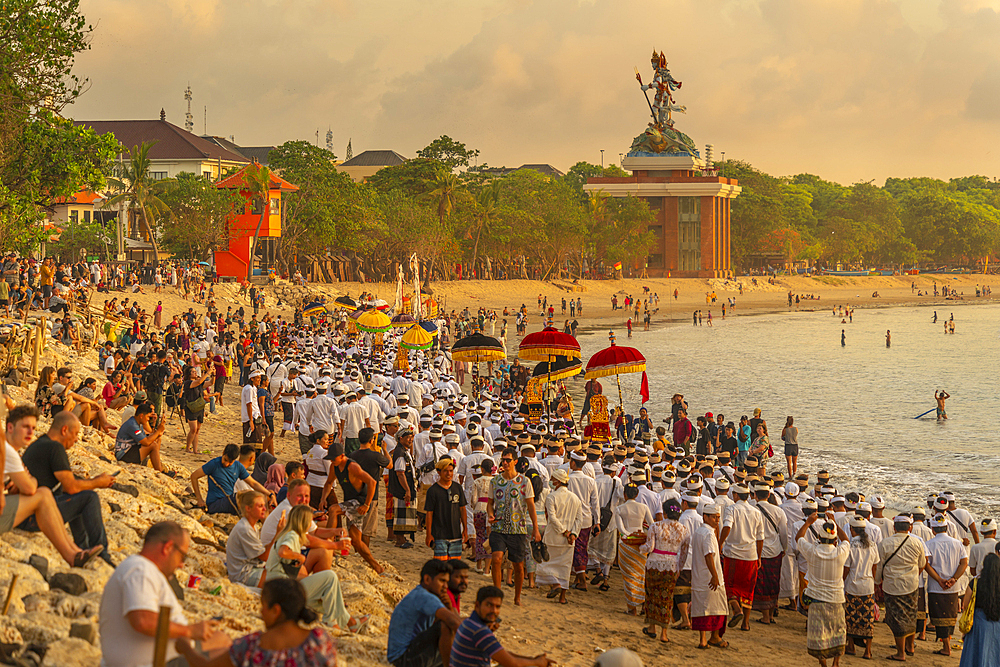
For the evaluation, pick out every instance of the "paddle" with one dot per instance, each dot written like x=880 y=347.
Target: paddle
x=926 y=413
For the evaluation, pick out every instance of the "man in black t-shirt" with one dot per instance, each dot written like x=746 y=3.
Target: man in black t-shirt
x=727 y=443
x=447 y=527
x=372 y=460
x=48 y=463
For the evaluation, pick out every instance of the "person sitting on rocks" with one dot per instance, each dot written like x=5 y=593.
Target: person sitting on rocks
x=222 y=473
x=137 y=441
x=46 y=460
x=31 y=501
x=133 y=596
x=245 y=553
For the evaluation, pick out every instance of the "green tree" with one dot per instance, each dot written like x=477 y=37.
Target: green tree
x=449 y=152
x=199 y=214
x=413 y=177
x=257 y=181
x=135 y=187
x=78 y=236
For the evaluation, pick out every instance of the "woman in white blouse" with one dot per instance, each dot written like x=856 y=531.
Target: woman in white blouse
x=859 y=587
x=630 y=518
x=666 y=546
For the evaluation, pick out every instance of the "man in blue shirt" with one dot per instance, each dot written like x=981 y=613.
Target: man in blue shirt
x=475 y=644
x=222 y=473
x=422 y=627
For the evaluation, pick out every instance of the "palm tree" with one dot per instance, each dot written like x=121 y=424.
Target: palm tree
x=257 y=181
x=136 y=186
x=487 y=208
x=444 y=194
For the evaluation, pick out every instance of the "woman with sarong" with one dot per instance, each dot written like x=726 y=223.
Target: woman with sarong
x=860 y=607
x=630 y=518
x=826 y=629
x=666 y=549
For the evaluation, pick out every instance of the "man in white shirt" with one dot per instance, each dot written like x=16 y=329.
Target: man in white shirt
x=708 y=588
x=901 y=559
x=565 y=516
x=691 y=520
x=250 y=409
x=131 y=601
x=586 y=490
x=946 y=563
x=355 y=417
x=987 y=545
x=603 y=548
x=742 y=541
x=325 y=413
x=765 y=597
x=303 y=414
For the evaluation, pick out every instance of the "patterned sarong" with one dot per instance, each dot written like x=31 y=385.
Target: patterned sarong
x=901 y=614
x=633 y=565
x=826 y=629
x=580 y=556
x=942 y=610
x=765 y=592
x=404 y=518
x=482 y=540
x=860 y=611
x=660 y=596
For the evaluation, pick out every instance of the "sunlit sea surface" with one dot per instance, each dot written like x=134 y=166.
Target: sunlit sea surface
x=854 y=405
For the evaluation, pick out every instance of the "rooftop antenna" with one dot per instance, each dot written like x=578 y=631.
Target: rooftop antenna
x=188 y=118
x=329 y=140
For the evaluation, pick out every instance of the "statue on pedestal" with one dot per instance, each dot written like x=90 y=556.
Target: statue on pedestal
x=660 y=136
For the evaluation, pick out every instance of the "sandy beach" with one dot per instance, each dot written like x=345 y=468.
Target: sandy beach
x=572 y=634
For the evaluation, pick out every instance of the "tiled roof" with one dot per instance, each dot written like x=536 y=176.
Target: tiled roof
x=172 y=142
x=251 y=153
x=238 y=180
x=375 y=159
x=82 y=197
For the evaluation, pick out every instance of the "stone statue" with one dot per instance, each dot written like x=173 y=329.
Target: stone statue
x=660 y=136
x=664 y=84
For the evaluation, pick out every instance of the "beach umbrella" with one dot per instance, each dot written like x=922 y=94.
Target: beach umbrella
x=314 y=308
x=429 y=327
x=403 y=320
x=380 y=304
x=618 y=360
x=358 y=313
x=346 y=301
x=547 y=343
x=558 y=368
x=416 y=338
x=374 y=321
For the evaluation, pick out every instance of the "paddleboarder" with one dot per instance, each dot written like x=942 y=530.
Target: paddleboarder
x=940 y=397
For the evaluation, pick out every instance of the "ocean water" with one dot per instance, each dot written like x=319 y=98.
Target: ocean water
x=854 y=405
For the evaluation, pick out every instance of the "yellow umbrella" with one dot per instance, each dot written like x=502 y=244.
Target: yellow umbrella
x=374 y=321
x=416 y=338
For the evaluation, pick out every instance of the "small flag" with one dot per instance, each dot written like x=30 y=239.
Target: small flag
x=644 y=389
x=618 y=266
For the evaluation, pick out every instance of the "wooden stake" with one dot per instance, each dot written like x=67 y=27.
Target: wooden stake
x=10 y=594
x=162 y=638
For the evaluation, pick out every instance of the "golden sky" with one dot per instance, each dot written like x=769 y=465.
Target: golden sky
x=851 y=90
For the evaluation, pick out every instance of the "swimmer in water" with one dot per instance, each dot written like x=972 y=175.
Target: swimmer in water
x=888 y=338
x=940 y=397
x=935 y=318
x=843 y=338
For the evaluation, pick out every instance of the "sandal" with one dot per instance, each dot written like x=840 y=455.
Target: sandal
x=703 y=648
x=895 y=657
x=552 y=593
x=648 y=633
x=735 y=620
x=83 y=557
x=722 y=644
x=358 y=623
x=604 y=587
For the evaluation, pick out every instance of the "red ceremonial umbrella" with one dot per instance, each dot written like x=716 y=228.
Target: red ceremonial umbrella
x=547 y=345
x=617 y=360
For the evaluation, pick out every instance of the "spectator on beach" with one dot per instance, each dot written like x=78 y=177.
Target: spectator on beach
x=290 y=637
x=130 y=604
x=246 y=555
x=422 y=628
x=138 y=441
x=46 y=460
x=222 y=473
x=33 y=503
x=476 y=645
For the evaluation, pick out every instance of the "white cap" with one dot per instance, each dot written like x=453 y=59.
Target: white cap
x=711 y=508
x=256 y=373
x=791 y=489
x=987 y=526
x=939 y=521
x=878 y=502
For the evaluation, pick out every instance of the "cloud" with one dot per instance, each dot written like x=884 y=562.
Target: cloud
x=855 y=90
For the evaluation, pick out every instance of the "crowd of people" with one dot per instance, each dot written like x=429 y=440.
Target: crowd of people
x=699 y=526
